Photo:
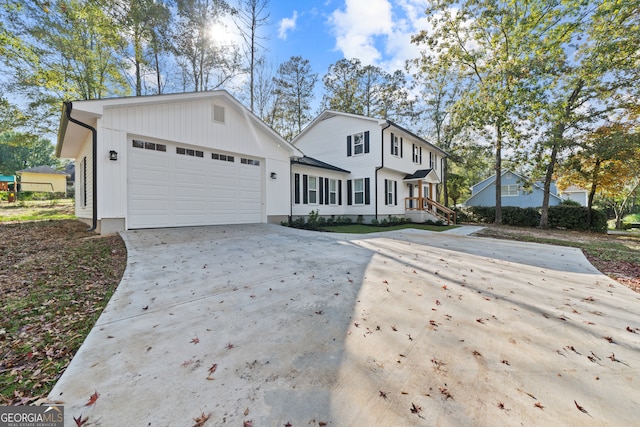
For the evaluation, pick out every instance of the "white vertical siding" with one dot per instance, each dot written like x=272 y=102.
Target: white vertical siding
x=86 y=210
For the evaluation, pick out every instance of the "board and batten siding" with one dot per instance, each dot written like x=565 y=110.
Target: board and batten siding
x=84 y=181
x=189 y=123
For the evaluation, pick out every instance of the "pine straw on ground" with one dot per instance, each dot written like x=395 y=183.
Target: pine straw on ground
x=55 y=279
x=616 y=255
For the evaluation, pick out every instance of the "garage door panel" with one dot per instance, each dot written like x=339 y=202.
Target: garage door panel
x=167 y=189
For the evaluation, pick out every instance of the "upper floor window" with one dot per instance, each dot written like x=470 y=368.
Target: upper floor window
x=358 y=143
x=395 y=145
x=509 y=190
x=417 y=154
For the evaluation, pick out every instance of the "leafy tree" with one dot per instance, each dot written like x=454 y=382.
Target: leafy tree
x=252 y=14
x=21 y=151
x=597 y=82
x=367 y=90
x=66 y=51
x=503 y=49
x=144 y=24
x=294 y=85
x=606 y=162
x=206 y=64
x=440 y=89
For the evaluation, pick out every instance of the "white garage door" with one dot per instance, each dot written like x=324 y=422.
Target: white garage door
x=174 y=185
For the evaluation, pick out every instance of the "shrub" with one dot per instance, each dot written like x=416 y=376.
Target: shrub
x=484 y=214
x=569 y=202
x=523 y=217
x=575 y=218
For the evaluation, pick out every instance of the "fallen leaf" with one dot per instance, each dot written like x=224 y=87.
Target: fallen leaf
x=212 y=369
x=415 y=408
x=229 y=346
x=246 y=412
x=383 y=394
x=580 y=408
x=539 y=405
x=201 y=420
x=195 y=340
x=80 y=421
x=92 y=399
x=248 y=424
x=288 y=424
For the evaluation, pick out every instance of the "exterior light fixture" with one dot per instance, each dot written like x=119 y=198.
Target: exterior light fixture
x=274 y=175
x=113 y=155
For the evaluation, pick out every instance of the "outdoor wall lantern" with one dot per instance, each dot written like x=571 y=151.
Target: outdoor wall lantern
x=274 y=175
x=113 y=155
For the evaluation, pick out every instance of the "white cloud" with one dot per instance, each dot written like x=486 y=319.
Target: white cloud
x=379 y=32
x=359 y=26
x=286 y=25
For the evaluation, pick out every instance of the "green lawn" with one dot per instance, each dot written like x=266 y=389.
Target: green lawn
x=37 y=210
x=364 y=229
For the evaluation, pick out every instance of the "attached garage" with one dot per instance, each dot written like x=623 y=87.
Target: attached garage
x=172 y=185
x=174 y=160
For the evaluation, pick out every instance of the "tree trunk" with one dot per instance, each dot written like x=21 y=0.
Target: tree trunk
x=544 y=214
x=498 y=219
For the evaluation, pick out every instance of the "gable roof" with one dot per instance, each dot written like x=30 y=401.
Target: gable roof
x=310 y=161
x=327 y=114
x=419 y=174
x=42 y=169
x=492 y=179
x=89 y=111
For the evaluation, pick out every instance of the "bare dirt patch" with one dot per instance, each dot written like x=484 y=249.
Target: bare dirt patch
x=55 y=279
x=616 y=255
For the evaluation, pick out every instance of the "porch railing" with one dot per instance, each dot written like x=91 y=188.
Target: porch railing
x=431 y=206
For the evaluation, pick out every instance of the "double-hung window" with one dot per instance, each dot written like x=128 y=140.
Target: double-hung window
x=358 y=143
x=333 y=191
x=395 y=145
x=313 y=190
x=416 y=154
x=390 y=191
x=358 y=191
x=509 y=190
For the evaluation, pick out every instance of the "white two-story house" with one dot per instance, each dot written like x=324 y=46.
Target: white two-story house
x=356 y=166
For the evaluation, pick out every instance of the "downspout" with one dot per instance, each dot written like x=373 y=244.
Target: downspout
x=94 y=138
x=382 y=163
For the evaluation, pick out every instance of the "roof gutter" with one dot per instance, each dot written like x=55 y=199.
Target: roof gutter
x=381 y=161
x=94 y=137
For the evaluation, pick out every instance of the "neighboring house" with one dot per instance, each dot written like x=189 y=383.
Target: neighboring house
x=356 y=166
x=44 y=179
x=174 y=160
x=576 y=194
x=7 y=182
x=516 y=190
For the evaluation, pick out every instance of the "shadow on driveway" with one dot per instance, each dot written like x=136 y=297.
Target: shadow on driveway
x=397 y=328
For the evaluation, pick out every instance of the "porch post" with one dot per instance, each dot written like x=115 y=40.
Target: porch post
x=420 y=204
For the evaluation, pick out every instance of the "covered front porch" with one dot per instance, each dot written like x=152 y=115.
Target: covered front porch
x=420 y=205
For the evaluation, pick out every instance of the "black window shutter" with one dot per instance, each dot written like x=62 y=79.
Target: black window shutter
x=321 y=190
x=349 y=195
x=366 y=142
x=367 y=198
x=386 y=191
x=395 y=192
x=392 y=141
x=349 y=146
x=305 y=189
x=326 y=191
x=420 y=155
x=296 y=189
x=340 y=192
x=401 y=147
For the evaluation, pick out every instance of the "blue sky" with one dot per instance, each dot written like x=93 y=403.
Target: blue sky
x=377 y=32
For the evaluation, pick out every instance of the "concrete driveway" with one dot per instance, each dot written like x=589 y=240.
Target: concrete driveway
x=387 y=329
